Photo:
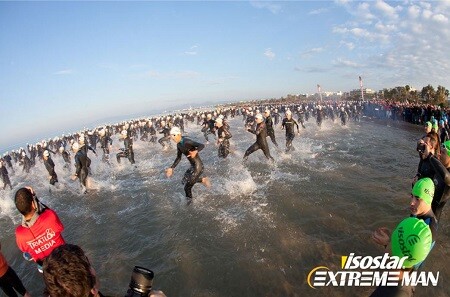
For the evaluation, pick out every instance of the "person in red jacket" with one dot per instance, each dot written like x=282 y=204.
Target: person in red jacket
x=40 y=231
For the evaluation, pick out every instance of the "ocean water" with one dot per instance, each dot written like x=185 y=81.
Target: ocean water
x=258 y=231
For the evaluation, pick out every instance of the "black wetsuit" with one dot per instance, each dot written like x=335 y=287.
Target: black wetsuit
x=105 y=142
x=261 y=141
x=431 y=167
x=127 y=152
x=5 y=177
x=441 y=198
x=26 y=164
x=301 y=118
x=209 y=128
x=319 y=117
x=66 y=157
x=192 y=175
x=344 y=116
x=50 y=166
x=224 y=147
x=443 y=135
x=166 y=138
x=152 y=132
x=85 y=148
x=289 y=124
x=8 y=160
x=270 y=130
x=81 y=165
x=276 y=117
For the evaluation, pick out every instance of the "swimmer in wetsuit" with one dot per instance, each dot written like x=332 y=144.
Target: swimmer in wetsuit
x=269 y=126
x=190 y=149
x=81 y=166
x=209 y=127
x=165 y=140
x=66 y=156
x=126 y=152
x=5 y=176
x=288 y=124
x=105 y=142
x=261 y=141
x=50 y=166
x=223 y=138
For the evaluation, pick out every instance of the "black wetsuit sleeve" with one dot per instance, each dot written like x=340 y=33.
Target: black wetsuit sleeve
x=296 y=124
x=283 y=124
x=251 y=131
x=227 y=134
x=418 y=174
x=193 y=146
x=77 y=166
x=440 y=169
x=178 y=159
x=90 y=148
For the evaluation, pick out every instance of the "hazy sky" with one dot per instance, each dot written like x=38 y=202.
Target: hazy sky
x=66 y=64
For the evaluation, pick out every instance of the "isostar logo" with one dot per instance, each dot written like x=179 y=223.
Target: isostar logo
x=368 y=271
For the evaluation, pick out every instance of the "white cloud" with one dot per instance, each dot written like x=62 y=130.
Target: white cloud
x=312 y=51
x=192 y=51
x=349 y=45
x=426 y=14
x=187 y=74
x=63 y=72
x=318 y=11
x=345 y=63
x=440 y=18
x=269 y=54
x=274 y=8
x=414 y=11
x=405 y=43
x=385 y=28
x=341 y=2
x=385 y=8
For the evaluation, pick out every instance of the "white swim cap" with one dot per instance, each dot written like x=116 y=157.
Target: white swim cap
x=259 y=116
x=124 y=132
x=75 y=146
x=61 y=149
x=288 y=112
x=175 y=131
x=219 y=121
x=46 y=153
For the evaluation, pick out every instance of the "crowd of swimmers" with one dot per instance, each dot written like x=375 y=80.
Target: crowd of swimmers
x=258 y=119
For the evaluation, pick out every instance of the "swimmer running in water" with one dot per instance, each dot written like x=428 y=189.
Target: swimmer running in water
x=5 y=176
x=81 y=166
x=261 y=141
x=190 y=149
x=223 y=135
x=50 y=166
x=126 y=152
x=288 y=124
x=269 y=127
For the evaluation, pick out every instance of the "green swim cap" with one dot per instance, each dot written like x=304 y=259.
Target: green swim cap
x=435 y=127
x=428 y=124
x=446 y=144
x=412 y=238
x=424 y=189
